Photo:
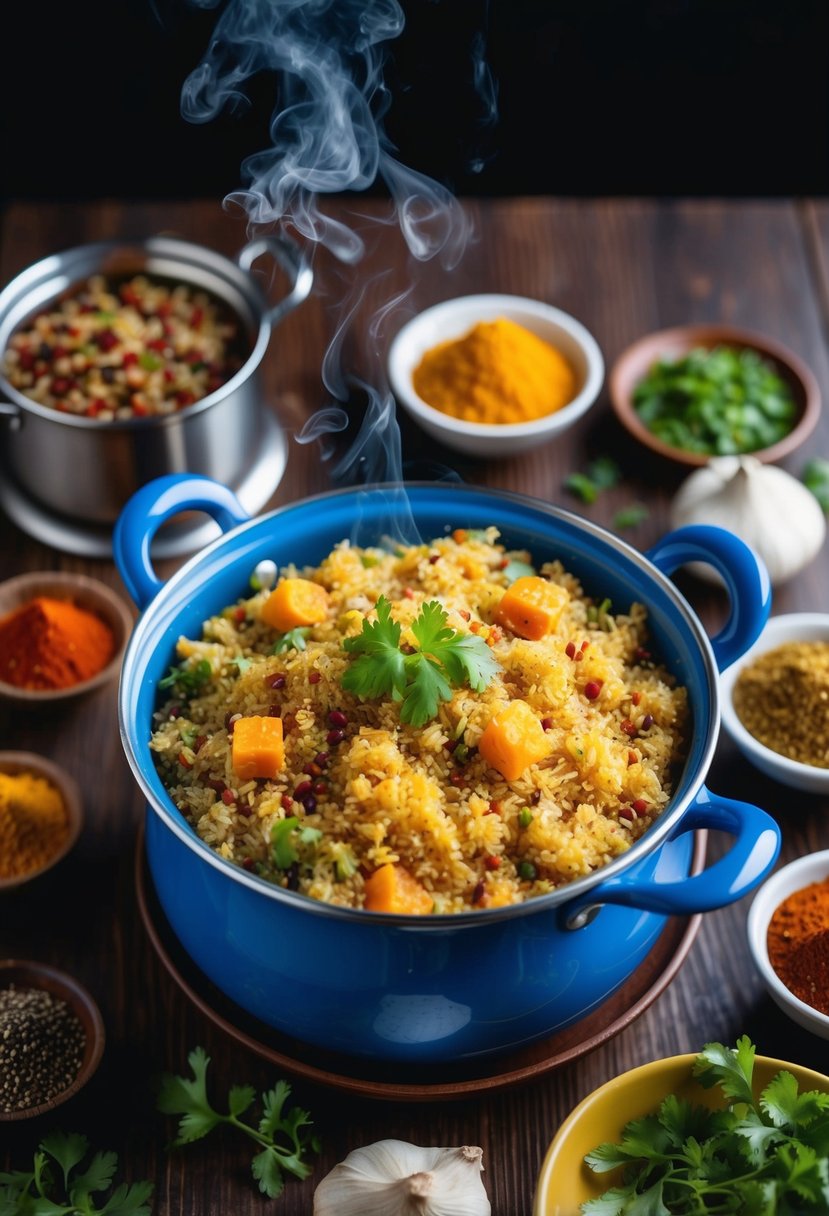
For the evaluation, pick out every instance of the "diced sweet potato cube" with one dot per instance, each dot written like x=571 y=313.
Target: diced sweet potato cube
x=393 y=889
x=257 y=745
x=295 y=602
x=513 y=740
x=531 y=607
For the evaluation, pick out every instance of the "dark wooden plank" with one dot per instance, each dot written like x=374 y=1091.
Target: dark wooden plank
x=622 y=267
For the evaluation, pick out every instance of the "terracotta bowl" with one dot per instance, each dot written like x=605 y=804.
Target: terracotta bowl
x=85 y=592
x=565 y=1181
x=17 y=762
x=634 y=363
x=26 y=974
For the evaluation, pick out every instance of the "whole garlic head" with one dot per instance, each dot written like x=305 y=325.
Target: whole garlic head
x=764 y=506
x=393 y=1178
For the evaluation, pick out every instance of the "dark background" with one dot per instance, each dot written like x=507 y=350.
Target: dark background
x=656 y=97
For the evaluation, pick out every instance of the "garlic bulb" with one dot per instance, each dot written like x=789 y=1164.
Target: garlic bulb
x=765 y=506
x=393 y=1178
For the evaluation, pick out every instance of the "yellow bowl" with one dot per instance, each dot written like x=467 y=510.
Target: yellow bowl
x=565 y=1181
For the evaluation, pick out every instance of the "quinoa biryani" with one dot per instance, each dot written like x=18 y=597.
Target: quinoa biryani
x=430 y=730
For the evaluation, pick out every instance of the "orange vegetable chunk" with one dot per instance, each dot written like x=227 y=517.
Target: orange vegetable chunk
x=513 y=740
x=531 y=607
x=258 y=748
x=393 y=889
x=295 y=602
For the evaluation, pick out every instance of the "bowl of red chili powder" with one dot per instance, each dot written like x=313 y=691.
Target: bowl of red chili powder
x=788 y=935
x=61 y=635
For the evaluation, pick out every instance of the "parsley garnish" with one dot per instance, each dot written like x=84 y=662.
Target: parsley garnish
x=602 y=474
x=284 y=836
x=443 y=659
x=283 y=1135
x=69 y=1191
x=755 y=1157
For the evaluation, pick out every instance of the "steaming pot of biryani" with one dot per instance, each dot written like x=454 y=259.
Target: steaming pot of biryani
x=133 y=359
x=428 y=798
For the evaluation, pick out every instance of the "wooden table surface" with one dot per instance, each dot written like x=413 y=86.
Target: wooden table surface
x=621 y=267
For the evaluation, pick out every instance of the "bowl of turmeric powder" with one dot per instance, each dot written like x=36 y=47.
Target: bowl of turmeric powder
x=492 y=375
x=40 y=816
x=61 y=635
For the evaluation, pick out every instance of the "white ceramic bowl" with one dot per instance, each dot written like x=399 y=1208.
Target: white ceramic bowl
x=454 y=318
x=814 y=867
x=791 y=627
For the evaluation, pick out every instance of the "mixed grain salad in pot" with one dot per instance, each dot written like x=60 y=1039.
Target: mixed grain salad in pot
x=127 y=349
x=430 y=730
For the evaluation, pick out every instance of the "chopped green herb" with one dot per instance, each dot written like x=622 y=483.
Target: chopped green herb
x=283 y=1135
x=68 y=1190
x=188 y=677
x=285 y=834
x=368 y=561
x=242 y=664
x=443 y=659
x=816 y=478
x=149 y=361
x=757 y=1157
x=583 y=488
x=294 y=639
x=630 y=516
x=602 y=474
x=717 y=402
x=515 y=569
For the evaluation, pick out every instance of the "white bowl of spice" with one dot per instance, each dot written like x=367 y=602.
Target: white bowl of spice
x=775 y=702
x=492 y=375
x=61 y=634
x=788 y=935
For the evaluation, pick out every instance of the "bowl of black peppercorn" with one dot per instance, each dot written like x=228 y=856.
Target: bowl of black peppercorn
x=51 y=1038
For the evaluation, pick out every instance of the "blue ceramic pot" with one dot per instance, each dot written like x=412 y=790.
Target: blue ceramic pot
x=438 y=987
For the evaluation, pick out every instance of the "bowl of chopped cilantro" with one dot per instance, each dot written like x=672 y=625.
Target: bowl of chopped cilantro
x=698 y=391
x=677 y=1134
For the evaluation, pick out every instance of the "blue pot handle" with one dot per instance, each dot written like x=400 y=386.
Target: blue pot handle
x=743 y=572
x=150 y=507
x=746 y=863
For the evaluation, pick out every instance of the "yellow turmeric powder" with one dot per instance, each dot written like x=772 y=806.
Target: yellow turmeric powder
x=499 y=372
x=34 y=823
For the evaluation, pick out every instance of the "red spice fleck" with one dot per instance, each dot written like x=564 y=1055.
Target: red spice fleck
x=570 y=650
x=628 y=727
x=130 y=358
x=200 y=742
x=579 y=655
x=584 y=645
x=491 y=862
x=228 y=797
x=247 y=863
x=287 y=802
x=632 y=758
x=409 y=594
x=457 y=779
x=478 y=892
x=240 y=614
x=640 y=805
x=462 y=612
x=636 y=697
x=288 y=723
x=433 y=557
x=494 y=808
x=628 y=814
x=314 y=677
x=547 y=723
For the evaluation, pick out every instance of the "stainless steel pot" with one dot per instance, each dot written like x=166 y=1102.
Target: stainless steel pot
x=88 y=469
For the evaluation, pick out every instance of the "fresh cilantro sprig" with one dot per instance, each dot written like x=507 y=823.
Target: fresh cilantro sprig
x=757 y=1157
x=294 y=639
x=187 y=677
x=70 y=1190
x=442 y=659
x=285 y=834
x=283 y=1135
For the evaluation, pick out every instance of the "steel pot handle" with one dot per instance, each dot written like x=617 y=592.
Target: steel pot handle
x=290 y=258
x=743 y=572
x=13 y=413
x=150 y=507
x=751 y=856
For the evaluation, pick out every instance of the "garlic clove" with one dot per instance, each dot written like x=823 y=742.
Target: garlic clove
x=394 y=1178
x=763 y=505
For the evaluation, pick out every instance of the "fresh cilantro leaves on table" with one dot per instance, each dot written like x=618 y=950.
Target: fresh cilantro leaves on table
x=442 y=660
x=757 y=1157
x=70 y=1190
x=815 y=477
x=629 y=517
x=602 y=474
x=283 y=1135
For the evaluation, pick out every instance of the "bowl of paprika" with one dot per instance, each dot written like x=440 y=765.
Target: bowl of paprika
x=61 y=635
x=788 y=935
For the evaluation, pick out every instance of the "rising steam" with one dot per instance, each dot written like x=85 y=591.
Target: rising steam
x=327 y=136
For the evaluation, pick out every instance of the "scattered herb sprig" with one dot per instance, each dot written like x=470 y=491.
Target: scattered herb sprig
x=815 y=477
x=187 y=677
x=70 y=1190
x=756 y=1157
x=602 y=474
x=294 y=639
x=283 y=1135
x=443 y=659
